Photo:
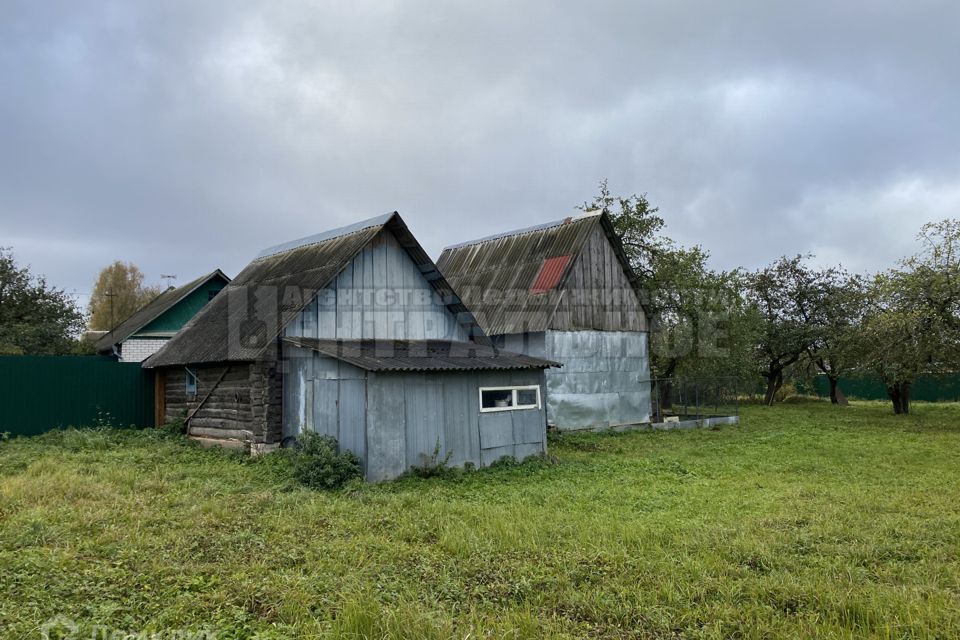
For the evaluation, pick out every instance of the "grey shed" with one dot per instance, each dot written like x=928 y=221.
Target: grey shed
x=352 y=333
x=564 y=291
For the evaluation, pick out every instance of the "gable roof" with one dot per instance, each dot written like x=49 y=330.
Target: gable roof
x=246 y=318
x=420 y=355
x=153 y=310
x=514 y=281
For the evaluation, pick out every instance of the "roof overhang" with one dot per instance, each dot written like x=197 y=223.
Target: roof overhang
x=420 y=355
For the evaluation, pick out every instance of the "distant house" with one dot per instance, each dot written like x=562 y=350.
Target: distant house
x=563 y=291
x=352 y=333
x=145 y=331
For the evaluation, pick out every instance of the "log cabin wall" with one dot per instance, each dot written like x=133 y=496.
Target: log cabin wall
x=266 y=401
x=239 y=402
x=221 y=406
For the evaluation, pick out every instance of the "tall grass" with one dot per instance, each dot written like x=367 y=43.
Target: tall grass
x=806 y=521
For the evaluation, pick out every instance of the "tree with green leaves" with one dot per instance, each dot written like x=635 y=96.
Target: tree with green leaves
x=35 y=318
x=934 y=271
x=117 y=294
x=791 y=298
x=837 y=314
x=911 y=324
x=639 y=226
x=700 y=325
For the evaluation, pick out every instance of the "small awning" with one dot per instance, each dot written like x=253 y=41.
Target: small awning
x=420 y=355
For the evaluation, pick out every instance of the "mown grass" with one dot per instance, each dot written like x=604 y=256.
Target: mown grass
x=806 y=521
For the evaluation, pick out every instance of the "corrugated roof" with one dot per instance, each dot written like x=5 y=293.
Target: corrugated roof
x=153 y=310
x=499 y=277
x=420 y=355
x=326 y=235
x=246 y=317
x=517 y=232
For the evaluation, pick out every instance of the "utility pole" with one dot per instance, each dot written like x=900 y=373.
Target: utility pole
x=111 y=295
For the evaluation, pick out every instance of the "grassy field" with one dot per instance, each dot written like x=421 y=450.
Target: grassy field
x=806 y=521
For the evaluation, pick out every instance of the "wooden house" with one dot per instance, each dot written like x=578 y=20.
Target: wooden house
x=564 y=291
x=146 y=330
x=352 y=333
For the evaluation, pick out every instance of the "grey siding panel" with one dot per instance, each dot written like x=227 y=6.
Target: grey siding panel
x=532 y=344
x=409 y=413
x=496 y=430
x=380 y=294
x=489 y=456
x=394 y=421
x=522 y=451
x=461 y=442
x=386 y=423
x=528 y=427
x=294 y=381
x=424 y=418
x=604 y=380
x=326 y=397
x=325 y=368
x=353 y=416
x=379 y=312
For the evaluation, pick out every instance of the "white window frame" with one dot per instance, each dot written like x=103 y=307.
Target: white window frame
x=514 y=396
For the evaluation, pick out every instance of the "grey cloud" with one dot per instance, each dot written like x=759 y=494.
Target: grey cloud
x=185 y=135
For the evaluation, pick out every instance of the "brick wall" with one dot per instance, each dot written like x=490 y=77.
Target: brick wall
x=139 y=349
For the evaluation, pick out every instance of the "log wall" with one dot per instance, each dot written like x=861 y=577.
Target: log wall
x=235 y=402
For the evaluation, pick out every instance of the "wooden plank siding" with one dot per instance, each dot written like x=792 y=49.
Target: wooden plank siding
x=597 y=294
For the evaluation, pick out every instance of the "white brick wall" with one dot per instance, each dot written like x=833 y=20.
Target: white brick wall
x=139 y=349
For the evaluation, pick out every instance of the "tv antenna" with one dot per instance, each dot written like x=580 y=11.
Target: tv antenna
x=169 y=278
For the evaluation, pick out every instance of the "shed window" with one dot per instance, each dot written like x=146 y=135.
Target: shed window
x=191 y=383
x=509 y=398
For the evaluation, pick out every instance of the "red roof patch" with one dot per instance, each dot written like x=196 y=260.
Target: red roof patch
x=549 y=275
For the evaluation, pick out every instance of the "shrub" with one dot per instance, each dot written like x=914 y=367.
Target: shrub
x=317 y=464
x=433 y=466
x=175 y=427
x=787 y=390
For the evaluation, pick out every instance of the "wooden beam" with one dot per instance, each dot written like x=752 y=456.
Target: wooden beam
x=206 y=397
x=159 y=397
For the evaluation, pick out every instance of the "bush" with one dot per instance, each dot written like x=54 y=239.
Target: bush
x=787 y=390
x=317 y=464
x=433 y=465
x=175 y=427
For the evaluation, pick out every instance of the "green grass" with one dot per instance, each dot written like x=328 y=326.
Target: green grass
x=806 y=521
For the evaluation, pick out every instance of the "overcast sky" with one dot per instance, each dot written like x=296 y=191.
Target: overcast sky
x=186 y=135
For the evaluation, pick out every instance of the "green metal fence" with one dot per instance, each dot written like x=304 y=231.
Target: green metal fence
x=929 y=388
x=39 y=393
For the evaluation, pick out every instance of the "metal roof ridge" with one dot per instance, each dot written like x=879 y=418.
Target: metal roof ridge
x=519 y=232
x=323 y=236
